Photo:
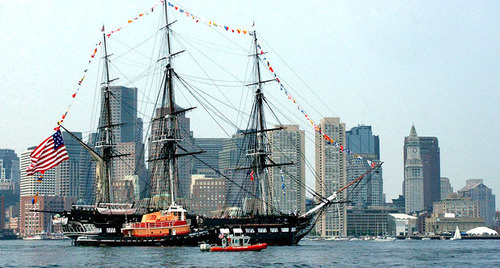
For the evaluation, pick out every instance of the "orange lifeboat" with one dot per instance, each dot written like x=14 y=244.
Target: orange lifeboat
x=168 y=222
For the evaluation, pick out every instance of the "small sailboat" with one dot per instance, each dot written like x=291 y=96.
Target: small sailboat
x=456 y=235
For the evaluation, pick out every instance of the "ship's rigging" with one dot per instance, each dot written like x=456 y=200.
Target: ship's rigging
x=167 y=135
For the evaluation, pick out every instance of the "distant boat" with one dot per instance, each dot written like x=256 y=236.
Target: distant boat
x=456 y=235
x=385 y=239
x=426 y=238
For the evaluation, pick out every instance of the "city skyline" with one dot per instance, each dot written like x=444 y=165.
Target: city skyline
x=387 y=66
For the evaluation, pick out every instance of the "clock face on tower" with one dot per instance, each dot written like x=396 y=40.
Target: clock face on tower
x=415 y=150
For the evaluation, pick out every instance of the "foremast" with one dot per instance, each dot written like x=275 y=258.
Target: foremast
x=104 y=168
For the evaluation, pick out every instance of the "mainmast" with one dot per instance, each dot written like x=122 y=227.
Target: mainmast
x=171 y=144
x=168 y=135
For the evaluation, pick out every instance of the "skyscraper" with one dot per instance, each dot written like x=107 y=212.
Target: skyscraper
x=414 y=177
x=331 y=172
x=430 y=154
x=231 y=157
x=29 y=185
x=477 y=191
x=209 y=160
x=446 y=188
x=360 y=140
x=10 y=165
x=287 y=182
x=127 y=139
x=87 y=194
x=68 y=173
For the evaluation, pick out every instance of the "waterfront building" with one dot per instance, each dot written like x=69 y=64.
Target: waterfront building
x=31 y=222
x=9 y=166
x=448 y=222
x=207 y=195
x=460 y=206
x=157 y=167
x=331 y=176
x=287 y=182
x=371 y=221
x=208 y=161
x=400 y=224
x=413 y=172
x=477 y=191
x=446 y=188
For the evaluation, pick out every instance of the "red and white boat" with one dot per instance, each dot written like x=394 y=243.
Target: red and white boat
x=234 y=243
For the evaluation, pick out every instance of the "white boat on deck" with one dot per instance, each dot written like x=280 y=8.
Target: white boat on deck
x=116 y=209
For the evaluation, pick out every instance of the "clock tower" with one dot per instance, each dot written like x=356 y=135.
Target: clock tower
x=414 y=177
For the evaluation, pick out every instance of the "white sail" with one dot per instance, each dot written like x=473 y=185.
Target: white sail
x=456 y=235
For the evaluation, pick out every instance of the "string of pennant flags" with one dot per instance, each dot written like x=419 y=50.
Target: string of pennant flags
x=188 y=14
x=94 y=53
x=308 y=118
x=210 y=23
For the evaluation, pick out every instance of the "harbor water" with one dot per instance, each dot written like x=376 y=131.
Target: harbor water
x=414 y=253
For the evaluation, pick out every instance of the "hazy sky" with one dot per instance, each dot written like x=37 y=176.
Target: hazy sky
x=388 y=64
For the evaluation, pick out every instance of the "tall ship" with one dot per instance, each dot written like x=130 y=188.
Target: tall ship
x=161 y=217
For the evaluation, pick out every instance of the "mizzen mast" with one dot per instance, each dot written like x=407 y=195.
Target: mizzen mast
x=259 y=146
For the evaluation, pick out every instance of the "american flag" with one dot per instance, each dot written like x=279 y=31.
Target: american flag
x=50 y=153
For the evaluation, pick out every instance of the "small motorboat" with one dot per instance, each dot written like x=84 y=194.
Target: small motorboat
x=233 y=243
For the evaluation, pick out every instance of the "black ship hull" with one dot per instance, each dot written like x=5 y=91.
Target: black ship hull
x=272 y=230
x=192 y=239
x=89 y=222
x=7 y=235
x=88 y=227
